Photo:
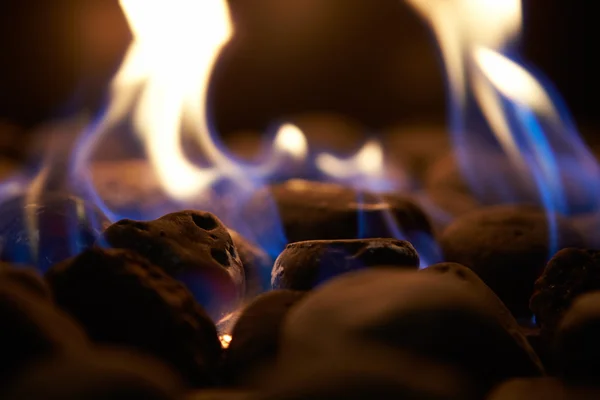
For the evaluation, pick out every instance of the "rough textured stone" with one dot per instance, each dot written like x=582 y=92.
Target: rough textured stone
x=31 y=329
x=304 y=265
x=323 y=211
x=569 y=274
x=120 y=298
x=193 y=246
x=430 y=315
x=257 y=265
x=256 y=335
x=102 y=374
x=576 y=351
x=508 y=247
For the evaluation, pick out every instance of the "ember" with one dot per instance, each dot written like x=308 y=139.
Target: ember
x=314 y=267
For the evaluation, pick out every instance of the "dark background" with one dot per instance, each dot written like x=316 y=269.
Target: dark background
x=371 y=60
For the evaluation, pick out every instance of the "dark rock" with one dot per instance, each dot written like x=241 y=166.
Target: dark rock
x=542 y=389
x=255 y=338
x=120 y=298
x=48 y=230
x=487 y=298
x=569 y=274
x=508 y=247
x=576 y=350
x=99 y=375
x=324 y=211
x=427 y=314
x=257 y=265
x=221 y=395
x=367 y=372
x=193 y=246
x=32 y=329
x=304 y=265
x=26 y=277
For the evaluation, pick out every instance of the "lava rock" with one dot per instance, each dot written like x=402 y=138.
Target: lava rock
x=324 y=211
x=569 y=274
x=542 y=389
x=27 y=278
x=32 y=328
x=304 y=265
x=367 y=372
x=121 y=298
x=257 y=265
x=508 y=247
x=99 y=375
x=473 y=284
x=576 y=349
x=427 y=314
x=48 y=230
x=256 y=335
x=221 y=395
x=193 y=246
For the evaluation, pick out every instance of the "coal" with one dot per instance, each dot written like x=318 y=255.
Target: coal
x=257 y=265
x=25 y=277
x=367 y=372
x=122 y=299
x=193 y=246
x=542 y=389
x=32 y=328
x=576 y=343
x=48 y=229
x=304 y=265
x=256 y=336
x=473 y=284
x=222 y=394
x=569 y=274
x=508 y=247
x=427 y=314
x=101 y=374
x=324 y=211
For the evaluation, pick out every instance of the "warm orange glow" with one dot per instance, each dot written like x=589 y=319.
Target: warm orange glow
x=367 y=162
x=225 y=340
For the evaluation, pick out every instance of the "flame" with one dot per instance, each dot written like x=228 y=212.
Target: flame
x=290 y=139
x=497 y=106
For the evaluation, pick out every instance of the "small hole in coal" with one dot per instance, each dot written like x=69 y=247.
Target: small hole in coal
x=232 y=251
x=206 y=222
x=461 y=274
x=220 y=256
x=162 y=233
x=443 y=269
x=212 y=235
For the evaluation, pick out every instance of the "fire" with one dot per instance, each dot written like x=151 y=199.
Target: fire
x=498 y=107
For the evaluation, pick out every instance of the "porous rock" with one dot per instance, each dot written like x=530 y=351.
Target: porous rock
x=508 y=247
x=120 y=298
x=569 y=274
x=257 y=264
x=304 y=265
x=193 y=246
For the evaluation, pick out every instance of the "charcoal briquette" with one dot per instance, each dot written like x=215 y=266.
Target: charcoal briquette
x=304 y=265
x=508 y=247
x=120 y=298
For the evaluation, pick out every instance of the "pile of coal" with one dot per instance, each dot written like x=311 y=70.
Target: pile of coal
x=98 y=375
x=192 y=246
x=430 y=315
x=508 y=247
x=31 y=327
x=254 y=347
x=543 y=389
x=576 y=351
x=304 y=265
x=49 y=229
x=257 y=265
x=324 y=211
x=569 y=274
x=120 y=298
